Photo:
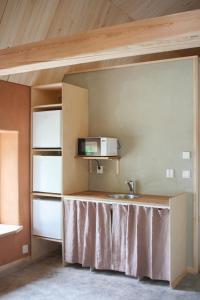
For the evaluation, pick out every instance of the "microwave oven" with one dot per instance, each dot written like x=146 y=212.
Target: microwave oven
x=98 y=146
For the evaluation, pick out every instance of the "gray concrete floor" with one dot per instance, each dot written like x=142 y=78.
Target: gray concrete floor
x=48 y=280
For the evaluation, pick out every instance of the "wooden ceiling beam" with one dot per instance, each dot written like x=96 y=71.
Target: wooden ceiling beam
x=130 y=61
x=166 y=33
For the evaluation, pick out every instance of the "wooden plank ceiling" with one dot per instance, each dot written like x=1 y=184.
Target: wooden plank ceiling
x=166 y=33
x=24 y=21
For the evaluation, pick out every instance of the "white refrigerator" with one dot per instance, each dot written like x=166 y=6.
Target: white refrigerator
x=47 y=218
x=47 y=174
x=47 y=129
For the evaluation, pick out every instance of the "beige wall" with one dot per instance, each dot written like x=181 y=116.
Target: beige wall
x=149 y=108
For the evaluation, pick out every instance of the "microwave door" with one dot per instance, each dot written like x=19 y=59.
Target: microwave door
x=92 y=147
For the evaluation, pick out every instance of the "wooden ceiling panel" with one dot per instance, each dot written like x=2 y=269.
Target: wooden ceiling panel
x=138 y=9
x=34 y=26
x=23 y=21
x=72 y=17
x=3 y=4
x=115 y=16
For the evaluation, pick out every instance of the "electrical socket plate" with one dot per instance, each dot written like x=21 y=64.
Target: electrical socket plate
x=170 y=173
x=24 y=249
x=100 y=170
x=186 y=174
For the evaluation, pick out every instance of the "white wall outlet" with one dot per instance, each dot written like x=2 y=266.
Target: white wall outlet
x=24 y=249
x=100 y=170
x=170 y=173
x=186 y=155
x=186 y=174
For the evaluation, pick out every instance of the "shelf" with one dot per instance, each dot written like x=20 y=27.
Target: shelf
x=47 y=107
x=49 y=87
x=91 y=158
x=98 y=157
x=47 y=239
x=47 y=195
x=47 y=149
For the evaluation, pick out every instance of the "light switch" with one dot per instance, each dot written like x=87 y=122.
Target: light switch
x=186 y=174
x=186 y=155
x=170 y=173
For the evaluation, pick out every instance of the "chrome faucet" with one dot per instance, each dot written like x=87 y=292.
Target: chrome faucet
x=132 y=185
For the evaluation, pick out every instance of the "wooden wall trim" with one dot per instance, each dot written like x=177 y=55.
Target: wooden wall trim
x=196 y=111
x=166 y=33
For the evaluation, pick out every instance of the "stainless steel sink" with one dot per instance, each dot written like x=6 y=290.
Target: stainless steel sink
x=124 y=196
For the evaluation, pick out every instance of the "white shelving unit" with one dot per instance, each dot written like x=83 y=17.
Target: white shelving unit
x=59 y=117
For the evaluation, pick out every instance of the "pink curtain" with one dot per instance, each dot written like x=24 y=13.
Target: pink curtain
x=125 y=238
x=119 y=225
x=103 y=244
x=140 y=238
x=88 y=234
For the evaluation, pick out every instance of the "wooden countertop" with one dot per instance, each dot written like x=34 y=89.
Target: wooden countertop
x=143 y=200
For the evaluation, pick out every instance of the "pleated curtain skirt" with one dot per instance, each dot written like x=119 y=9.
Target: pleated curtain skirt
x=127 y=238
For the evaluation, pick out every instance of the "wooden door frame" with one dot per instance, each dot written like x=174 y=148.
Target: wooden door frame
x=196 y=166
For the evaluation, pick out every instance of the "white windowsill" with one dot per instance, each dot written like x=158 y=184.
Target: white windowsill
x=9 y=229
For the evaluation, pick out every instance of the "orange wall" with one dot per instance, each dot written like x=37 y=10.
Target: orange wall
x=15 y=115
